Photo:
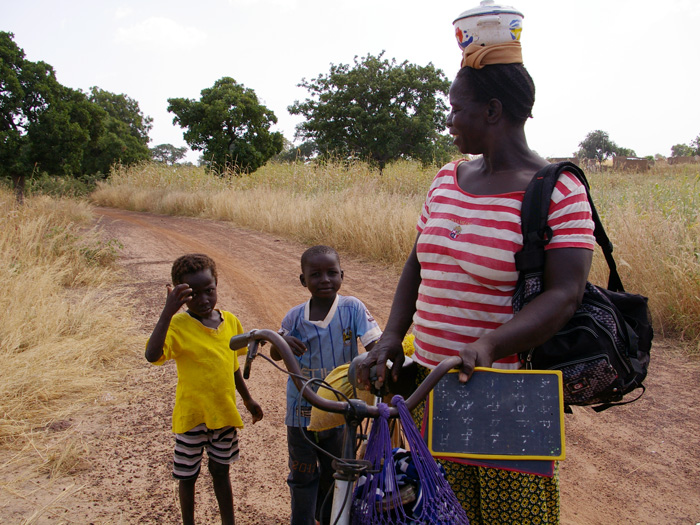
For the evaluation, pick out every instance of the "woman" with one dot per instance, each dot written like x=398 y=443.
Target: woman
x=456 y=286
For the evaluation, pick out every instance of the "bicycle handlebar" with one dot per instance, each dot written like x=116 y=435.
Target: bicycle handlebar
x=254 y=336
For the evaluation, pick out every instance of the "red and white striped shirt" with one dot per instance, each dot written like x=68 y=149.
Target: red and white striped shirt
x=466 y=250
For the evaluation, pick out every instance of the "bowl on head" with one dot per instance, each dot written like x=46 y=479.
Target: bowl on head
x=488 y=24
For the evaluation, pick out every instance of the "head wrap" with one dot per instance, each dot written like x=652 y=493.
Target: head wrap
x=477 y=57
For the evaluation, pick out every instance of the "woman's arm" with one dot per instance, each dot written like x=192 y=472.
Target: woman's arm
x=565 y=275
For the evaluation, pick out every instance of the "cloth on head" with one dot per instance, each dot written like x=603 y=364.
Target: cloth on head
x=477 y=57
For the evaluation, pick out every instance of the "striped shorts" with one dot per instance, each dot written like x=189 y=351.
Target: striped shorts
x=221 y=445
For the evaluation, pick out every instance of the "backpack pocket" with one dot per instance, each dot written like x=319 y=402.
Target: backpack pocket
x=589 y=381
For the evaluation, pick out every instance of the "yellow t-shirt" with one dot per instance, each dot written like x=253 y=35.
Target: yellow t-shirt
x=206 y=390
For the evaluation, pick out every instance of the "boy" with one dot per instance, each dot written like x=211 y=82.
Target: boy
x=323 y=334
x=205 y=413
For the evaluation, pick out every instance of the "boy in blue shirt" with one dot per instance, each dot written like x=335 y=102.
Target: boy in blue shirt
x=323 y=334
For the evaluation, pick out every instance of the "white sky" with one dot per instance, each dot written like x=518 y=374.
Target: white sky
x=627 y=67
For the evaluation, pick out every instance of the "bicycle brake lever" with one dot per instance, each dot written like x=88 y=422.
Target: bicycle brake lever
x=252 y=354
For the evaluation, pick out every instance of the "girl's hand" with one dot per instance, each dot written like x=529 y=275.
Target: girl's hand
x=255 y=410
x=177 y=297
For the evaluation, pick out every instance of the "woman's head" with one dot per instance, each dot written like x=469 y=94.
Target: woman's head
x=511 y=84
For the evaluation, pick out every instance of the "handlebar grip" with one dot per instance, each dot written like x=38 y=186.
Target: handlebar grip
x=241 y=340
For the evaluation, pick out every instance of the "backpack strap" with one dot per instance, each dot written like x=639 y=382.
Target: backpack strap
x=536 y=231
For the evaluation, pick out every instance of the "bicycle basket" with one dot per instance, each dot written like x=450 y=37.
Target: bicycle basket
x=403 y=487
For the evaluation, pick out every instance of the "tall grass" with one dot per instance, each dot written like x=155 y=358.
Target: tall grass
x=64 y=330
x=652 y=218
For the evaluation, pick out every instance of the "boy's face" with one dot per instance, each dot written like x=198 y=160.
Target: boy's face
x=204 y=297
x=322 y=276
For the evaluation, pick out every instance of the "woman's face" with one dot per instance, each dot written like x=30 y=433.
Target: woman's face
x=466 y=121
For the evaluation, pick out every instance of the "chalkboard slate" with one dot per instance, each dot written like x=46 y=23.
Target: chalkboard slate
x=498 y=414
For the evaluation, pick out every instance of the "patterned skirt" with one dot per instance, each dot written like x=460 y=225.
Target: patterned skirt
x=493 y=496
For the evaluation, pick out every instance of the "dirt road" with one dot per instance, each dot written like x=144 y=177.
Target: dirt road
x=634 y=464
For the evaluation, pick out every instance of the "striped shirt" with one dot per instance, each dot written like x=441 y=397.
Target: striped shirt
x=466 y=250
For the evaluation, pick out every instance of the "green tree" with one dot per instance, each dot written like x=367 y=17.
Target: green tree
x=26 y=90
x=60 y=139
x=301 y=152
x=47 y=127
x=625 y=152
x=375 y=109
x=167 y=153
x=695 y=144
x=229 y=125
x=681 y=150
x=597 y=146
x=123 y=134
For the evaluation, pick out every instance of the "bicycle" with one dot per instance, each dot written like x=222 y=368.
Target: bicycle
x=348 y=469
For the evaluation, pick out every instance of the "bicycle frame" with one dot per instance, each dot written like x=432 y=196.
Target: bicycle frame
x=354 y=410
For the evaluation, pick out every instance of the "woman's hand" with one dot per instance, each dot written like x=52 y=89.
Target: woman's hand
x=371 y=372
x=478 y=353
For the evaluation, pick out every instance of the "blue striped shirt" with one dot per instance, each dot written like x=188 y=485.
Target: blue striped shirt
x=329 y=344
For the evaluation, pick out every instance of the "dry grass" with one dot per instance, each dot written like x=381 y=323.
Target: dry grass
x=65 y=332
x=652 y=218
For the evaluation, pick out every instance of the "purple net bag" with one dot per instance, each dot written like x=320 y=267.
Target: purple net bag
x=378 y=496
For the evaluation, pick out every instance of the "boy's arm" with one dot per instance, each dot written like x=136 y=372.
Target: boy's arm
x=295 y=344
x=251 y=405
x=176 y=298
x=368 y=327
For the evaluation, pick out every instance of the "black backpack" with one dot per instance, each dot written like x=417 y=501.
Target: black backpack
x=603 y=351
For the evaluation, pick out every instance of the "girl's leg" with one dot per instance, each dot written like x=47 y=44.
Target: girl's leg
x=186 y=490
x=187 y=459
x=222 y=489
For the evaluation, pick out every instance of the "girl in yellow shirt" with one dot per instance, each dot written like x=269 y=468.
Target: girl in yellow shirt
x=205 y=413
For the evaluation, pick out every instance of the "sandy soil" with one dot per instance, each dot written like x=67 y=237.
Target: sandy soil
x=634 y=464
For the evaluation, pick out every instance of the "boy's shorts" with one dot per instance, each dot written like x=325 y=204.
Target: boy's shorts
x=221 y=445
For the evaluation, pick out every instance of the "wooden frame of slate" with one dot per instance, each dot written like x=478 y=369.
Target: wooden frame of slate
x=498 y=414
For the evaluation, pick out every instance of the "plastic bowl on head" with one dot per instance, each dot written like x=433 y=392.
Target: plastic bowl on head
x=488 y=24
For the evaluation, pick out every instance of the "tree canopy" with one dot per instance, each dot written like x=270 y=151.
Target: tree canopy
x=376 y=109
x=681 y=150
x=598 y=146
x=229 y=125
x=45 y=126
x=167 y=153
x=687 y=150
x=123 y=135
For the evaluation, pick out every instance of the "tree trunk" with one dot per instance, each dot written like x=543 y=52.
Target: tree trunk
x=18 y=182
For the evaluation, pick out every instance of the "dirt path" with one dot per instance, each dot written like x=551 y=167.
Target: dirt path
x=633 y=464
